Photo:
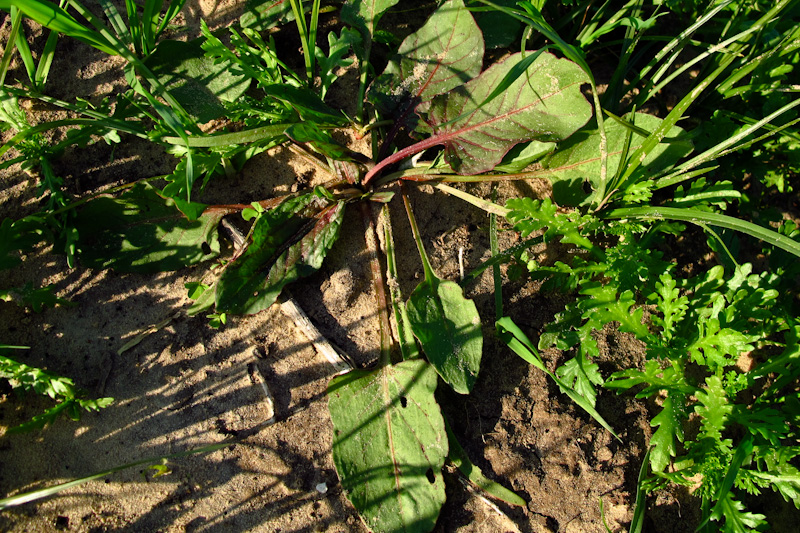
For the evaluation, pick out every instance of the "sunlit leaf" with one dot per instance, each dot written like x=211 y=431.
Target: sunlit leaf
x=389 y=445
x=445 y=53
x=543 y=104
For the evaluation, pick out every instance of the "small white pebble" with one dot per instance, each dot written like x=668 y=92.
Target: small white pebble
x=322 y=488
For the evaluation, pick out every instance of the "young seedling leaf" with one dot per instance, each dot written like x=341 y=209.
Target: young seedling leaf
x=288 y=242
x=143 y=232
x=389 y=445
x=199 y=83
x=510 y=334
x=449 y=328
x=543 y=104
x=577 y=162
x=445 y=53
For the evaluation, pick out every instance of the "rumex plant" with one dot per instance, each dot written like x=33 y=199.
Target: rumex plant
x=628 y=178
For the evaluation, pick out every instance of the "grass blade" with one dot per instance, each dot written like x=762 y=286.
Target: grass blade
x=28 y=497
x=695 y=216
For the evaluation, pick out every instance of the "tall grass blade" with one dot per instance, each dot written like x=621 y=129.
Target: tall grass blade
x=695 y=216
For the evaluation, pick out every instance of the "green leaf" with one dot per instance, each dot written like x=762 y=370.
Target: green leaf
x=338 y=48
x=390 y=444
x=543 y=104
x=581 y=375
x=365 y=14
x=578 y=159
x=52 y=16
x=18 y=235
x=445 y=53
x=143 y=232
x=449 y=329
x=662 y=443
x=265 y=14
x=499 y=30
x=510 y=334
x=199 y=83
x=35 y=298
x=288 y=242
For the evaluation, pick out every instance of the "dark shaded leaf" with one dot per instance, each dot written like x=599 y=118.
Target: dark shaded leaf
x=365 y=14
x=264 y=14
x=198 y=82
x=143 y=232
x=288 y=242
x=389 y=445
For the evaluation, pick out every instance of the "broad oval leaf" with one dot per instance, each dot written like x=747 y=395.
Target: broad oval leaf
x=198 y=82
x=449 y=328
x=264 y=14
x=543 y=104
x=143 y=232
x=577 y=160
x=445 y=53
x=365 y=14
x=390 y=444
x=288 y=242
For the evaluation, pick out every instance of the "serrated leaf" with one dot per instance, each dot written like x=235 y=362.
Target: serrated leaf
x=142 y=232
x=737 y=520
x=288 y=242
x=445 y=53
x=662 y=443
x=390 y=444
x=522 y=346
x=577 y=160
x=543 y=104
x=670 y=303
x=581 y=375
x=714 y=408
x=35 y=298
x=449 y=329
x=199 y=83
x=529 y=215
x=719 y=347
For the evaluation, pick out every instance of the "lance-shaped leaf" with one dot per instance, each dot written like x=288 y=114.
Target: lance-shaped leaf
x=449 y=328
x=544 y=103
x=143 y=232
x=577 y=160
x=445 y=53
x=390 y=444
x=288 y=242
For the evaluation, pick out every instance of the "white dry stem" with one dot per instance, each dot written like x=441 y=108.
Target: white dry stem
x=339 y=360
x=258 y=378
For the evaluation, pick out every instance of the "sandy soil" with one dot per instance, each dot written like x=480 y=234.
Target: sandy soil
x=186 y=385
